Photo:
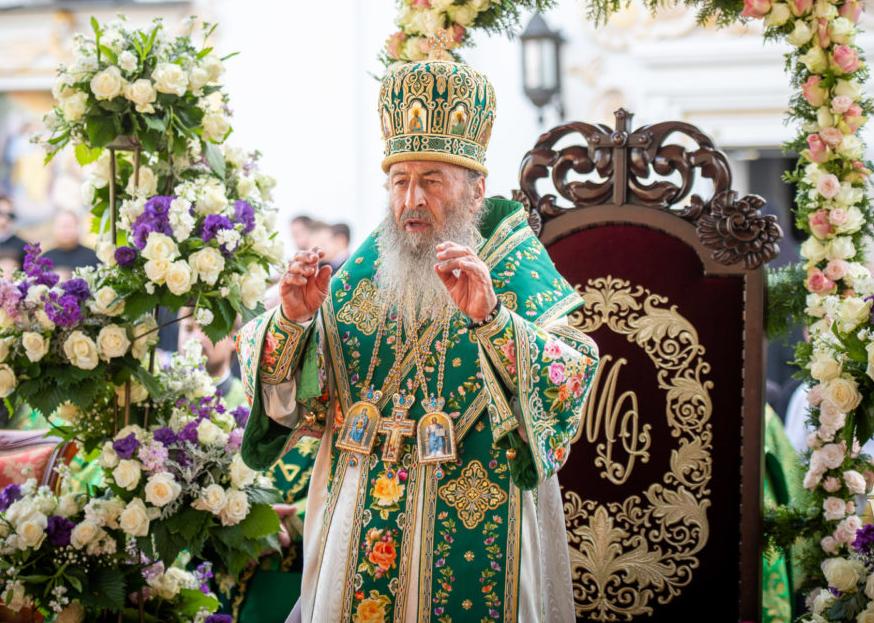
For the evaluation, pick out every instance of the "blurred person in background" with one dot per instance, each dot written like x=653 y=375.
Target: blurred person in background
x=322 y=236
x=341 y=236
x=219 y=358
x=11 y=246
x=300 y=231
x=68 y=252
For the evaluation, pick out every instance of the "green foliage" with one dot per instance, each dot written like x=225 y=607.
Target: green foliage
x=786 y=299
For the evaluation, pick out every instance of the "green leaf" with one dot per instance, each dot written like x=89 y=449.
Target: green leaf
x=192 y=601
x=105 y=588
x=86 y=155
x=167 y=544
x=109 y=54
x=147 y=380
x=864 y=416
x=215 y=159
x=203 y=53
x=172 y=301
x=261 y=521
x=138 y=303
x=100 y=130
x=153 y=122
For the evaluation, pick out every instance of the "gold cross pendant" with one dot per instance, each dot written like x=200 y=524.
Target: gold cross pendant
x=396 y=427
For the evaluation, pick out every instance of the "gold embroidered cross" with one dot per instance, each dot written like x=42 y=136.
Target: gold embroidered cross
x=396 y=427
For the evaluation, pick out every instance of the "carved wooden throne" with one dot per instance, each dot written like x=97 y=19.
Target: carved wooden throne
x=662 y=493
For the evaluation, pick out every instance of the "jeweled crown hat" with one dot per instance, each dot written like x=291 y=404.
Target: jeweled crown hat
x=436 y=110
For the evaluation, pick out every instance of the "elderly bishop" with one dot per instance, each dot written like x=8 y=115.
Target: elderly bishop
x=451 y=313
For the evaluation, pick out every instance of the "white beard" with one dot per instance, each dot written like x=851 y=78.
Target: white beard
x=405 y=275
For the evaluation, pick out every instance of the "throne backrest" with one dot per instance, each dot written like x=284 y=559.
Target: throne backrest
x=662 y=489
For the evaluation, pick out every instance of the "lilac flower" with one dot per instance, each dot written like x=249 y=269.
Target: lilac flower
x=212 y=224
x=219 y=618
x=153 y=456
x=235 y=439
x=189 y=432
x=203 y=574
x=125 y=256
x=77 y=288
x=165 y=436
x=59 y=529
x=153 y=219
x=63 y=309
x=10 y=296
x=864 y=539
x=153 y=571
x=241 y=415
x=39 y=268
x=9 y=494
x=244 y=213
x=126 y=446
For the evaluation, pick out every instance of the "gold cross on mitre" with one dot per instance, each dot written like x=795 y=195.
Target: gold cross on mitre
x=396 y=427
x=439 y=43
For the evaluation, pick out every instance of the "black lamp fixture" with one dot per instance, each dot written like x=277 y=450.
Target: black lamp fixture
x=541 y=64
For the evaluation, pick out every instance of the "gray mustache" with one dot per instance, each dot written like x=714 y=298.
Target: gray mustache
x=416 y=213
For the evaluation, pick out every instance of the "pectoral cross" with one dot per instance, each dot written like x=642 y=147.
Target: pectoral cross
x=396 y=427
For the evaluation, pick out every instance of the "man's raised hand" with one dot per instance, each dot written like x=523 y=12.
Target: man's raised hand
x=304 y=285
x=467 y=278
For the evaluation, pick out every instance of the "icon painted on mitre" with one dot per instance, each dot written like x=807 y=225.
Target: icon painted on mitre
x=386 y=124
x=416 y=118
x=435 y=437
x=359 y=428
x=458 y=121
x=485 y=133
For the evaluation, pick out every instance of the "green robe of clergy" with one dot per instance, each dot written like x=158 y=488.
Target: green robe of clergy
x=480 y=538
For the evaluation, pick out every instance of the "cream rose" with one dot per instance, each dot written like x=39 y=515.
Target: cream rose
x=834 y=508
x=213 y=66
x=824 y=366
x=843 y=393
x=848 y=88
x=106 y=302
x=212 y=199
x=212 y=499
x=179 y=277
x=5 y=345
x=170 y=78
x=74 y=612
x=107 y=84
x=208 y=263
x=134 y=519
x=127 y=474
x=209 y=434
x=142 y=94
x=8 y=382
x=851 y=147
x=112 y=341
x=841 y=573
x=215 y=126
x=779 y=14
x=145 y=335
x=236 y=508
x=108 y=456
x=160 y=247
x=814 y=250
x=197 y=79
x=855 y=482
x=74 y=106
x=463 y=14
x=245 y=186
x=84 y=533
x=156 y=270
x=81 y=351
x=31 y=531
x=35 y=345
x=161 y=489
x=841 y=248
x=852 y=312
x=252 y=286
x=866 y=616
x=147 y=184
x=241 y=474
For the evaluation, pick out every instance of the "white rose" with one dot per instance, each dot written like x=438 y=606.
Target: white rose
x=855 y=482
x=31 y=531
x=14 y=596
x=127 y=60
x=134 y=519
x=463 y=14
x=843 y=393
x=161 y=489
x=213 y=66
x=208 y=263
x=107 y=84
x=849 y=195
x=851 y=147
x=138 y=393
x=145 y=335
x=800 y=35
x=74 y=106
x=849 y=88
x=74 y=612
x=212 y=199
x=203 y=317
x=35 y=345
x=252 y=285
x=834 y=508
x=147 y=184
x=105 y=251
x=855 y=221
x=36 y=293
x=127 y=474
x=830 y=455
x=166 y=585
x=112 y=341
x=179 y=277
x=866 y=616
x=215 y=126
x=170 y=78
x=108 y=456
x=142 y=94
x=67 y=505
x=5 y=345
x=197 y=79
x=869 y=587
x=779 y=15
x=241 y=474
x=814 y=250
x=841 y=248
x=824 y=366
x=245 y=186
x=212 y=499
x=156 y=270
x=852 y=312
x=160 y=247
x=81 y=351
x=236 y=509
x=106 y=302
x=870 y=369
x=841 y=573
x=8 y=381
x=83 y=533
x=209 y=434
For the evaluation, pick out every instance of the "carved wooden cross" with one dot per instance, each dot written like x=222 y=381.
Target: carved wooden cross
x=396 y=427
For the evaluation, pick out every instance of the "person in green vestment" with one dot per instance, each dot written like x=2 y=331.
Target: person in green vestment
x=451 y=313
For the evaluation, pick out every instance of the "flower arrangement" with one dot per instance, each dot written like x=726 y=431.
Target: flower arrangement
x=426 y=24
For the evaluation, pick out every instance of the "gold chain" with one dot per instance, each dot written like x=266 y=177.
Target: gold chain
x=441 y=366
x=399 y=353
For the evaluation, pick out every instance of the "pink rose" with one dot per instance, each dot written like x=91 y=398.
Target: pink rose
x=819 y=223
x=818 y=283
x=855 y=482
x=832 y=136
x=829 y=545
x=836 y=269
x=811 y=479
x=552 y=349
x=851 y=508
x=458 y=32
x=822 y=35
x=556 y=373
x=812 y=92
x=846 y=530
x=841 y=104
x=838 y=216
x=800 y=7
x=832 y=455
x=422 y=4
x=814 y=395
x=828 y=185
x=394 y=43
x=854 y=118
x=845 y=58
x=831 y=484
x=852 y=10
x=831 y=416
x=756 y=8
x=834 y=508
x=817 y=150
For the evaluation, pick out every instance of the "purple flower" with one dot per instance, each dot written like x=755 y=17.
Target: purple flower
x=241 y=415
x=244 y=214
x=39 y=268
x=235 y=439
x=153 y=571
x=10 y=296
x=203 y=574
x=864 y=539
x=189 y=433
x=126 y=446
x=153 y=456
x=125 y=256
x=212 y=224
x=165 y=435
x=59 y=529
x=77 y=288
x=438 y=610
x=63 y=309
x=153 y=219
x=10 y=493
x=219 y=618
